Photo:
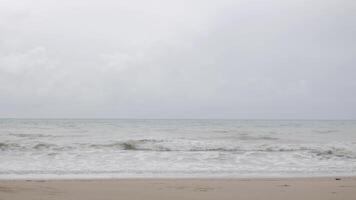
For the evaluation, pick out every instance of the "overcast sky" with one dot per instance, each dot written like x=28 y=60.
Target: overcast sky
x=277 y=59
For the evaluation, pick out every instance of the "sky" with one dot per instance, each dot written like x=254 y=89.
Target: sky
x=240 y=59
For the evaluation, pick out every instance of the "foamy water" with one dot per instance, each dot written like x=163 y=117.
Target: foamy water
x=175 y=148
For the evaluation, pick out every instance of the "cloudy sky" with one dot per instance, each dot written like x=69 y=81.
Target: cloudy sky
x=277 y=59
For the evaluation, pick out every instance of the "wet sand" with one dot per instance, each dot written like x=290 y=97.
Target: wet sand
x=180 y=189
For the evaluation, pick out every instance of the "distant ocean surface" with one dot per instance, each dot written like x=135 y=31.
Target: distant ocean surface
x=175 y=148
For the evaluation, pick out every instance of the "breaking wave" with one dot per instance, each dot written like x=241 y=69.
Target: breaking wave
x=320 y=151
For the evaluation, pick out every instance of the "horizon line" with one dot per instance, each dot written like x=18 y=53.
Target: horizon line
x=118 y=118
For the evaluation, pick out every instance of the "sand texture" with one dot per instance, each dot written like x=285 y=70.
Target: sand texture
x=180 y=189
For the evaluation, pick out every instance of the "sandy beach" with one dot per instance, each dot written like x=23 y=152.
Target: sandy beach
x=277 y=189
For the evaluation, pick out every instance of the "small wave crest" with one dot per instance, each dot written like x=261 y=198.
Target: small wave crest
x=248 y=137
x=32 y=147
x=334 y=152
x=7 y=146
x=143 y=145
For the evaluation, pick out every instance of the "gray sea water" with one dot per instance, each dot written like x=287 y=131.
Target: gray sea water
x=175 y=148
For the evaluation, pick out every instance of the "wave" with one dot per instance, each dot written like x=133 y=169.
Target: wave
x=40 y=146
x=37 y=146
x=335 y=152
x=29 y=135
x=248 y=137
x=134 y=145
x=319 y=151
x=8 y=146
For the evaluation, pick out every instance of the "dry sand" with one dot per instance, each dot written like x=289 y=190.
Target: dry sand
x=180 y=189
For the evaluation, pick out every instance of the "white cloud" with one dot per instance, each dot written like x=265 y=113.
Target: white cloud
x=244 y=59
x=33 y=59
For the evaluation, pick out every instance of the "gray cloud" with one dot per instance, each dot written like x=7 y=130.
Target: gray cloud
x=178 y=59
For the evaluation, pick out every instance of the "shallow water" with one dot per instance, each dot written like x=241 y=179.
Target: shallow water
x=178 y=148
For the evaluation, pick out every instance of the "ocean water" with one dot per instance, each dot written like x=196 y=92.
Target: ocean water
x=175 y=148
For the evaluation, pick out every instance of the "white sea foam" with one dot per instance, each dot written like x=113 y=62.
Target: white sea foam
x=183 y=148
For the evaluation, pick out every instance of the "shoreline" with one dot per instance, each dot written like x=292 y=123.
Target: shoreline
x=110 y=176
x=182 y=188
x=301 y=178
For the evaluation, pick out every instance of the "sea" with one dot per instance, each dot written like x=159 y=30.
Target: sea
x=175 y=148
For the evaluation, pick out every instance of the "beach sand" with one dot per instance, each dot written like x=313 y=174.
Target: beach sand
x=149 y=189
